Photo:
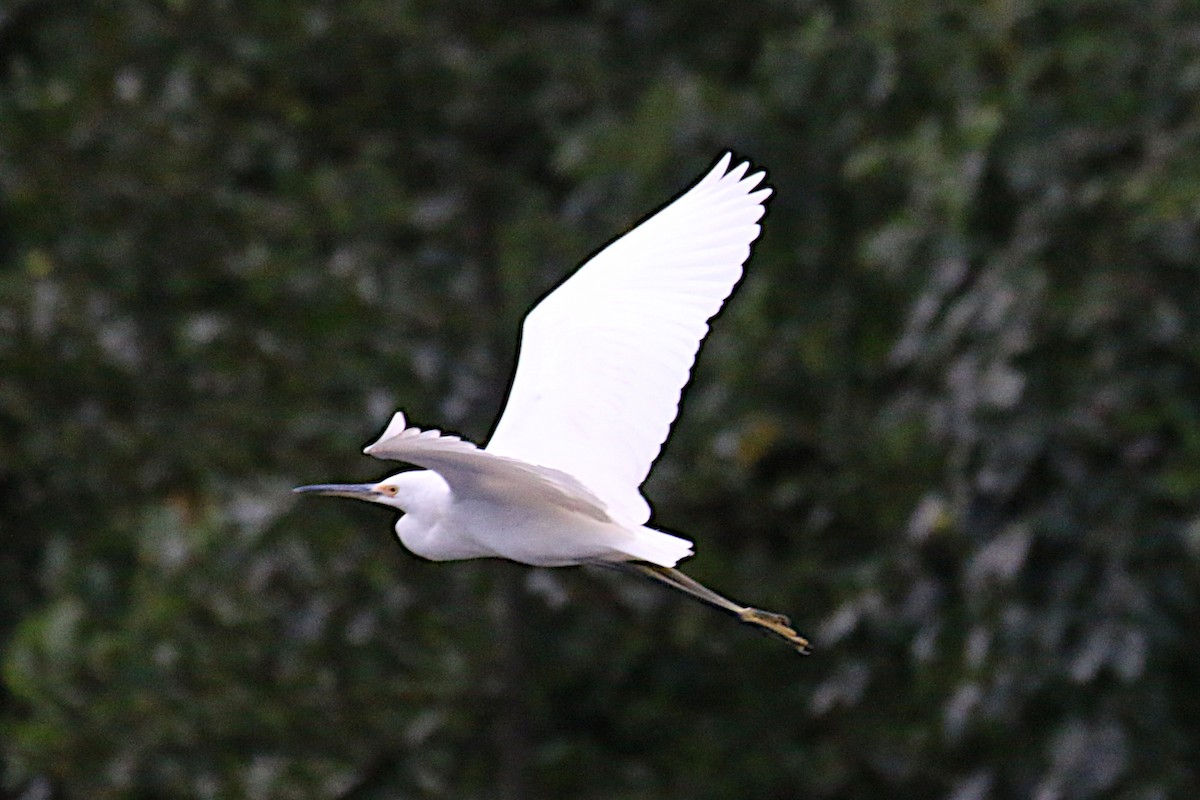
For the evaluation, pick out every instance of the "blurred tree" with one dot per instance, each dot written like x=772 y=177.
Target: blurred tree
x=951 y=417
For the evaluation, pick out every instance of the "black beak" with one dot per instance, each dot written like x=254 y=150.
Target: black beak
x=362 y=491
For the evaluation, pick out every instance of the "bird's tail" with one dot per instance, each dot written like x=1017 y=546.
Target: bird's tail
x=656 y=547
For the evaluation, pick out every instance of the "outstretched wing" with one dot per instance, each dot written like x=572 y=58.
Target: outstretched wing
x=473 y=472
x=605 y=356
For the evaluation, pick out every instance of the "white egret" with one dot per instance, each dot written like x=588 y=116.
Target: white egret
x=603 y=360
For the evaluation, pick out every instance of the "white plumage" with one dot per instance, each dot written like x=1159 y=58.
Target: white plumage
x=605 y=356
x=602 y=363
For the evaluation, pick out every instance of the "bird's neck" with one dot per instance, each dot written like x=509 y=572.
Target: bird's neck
x=423 y=496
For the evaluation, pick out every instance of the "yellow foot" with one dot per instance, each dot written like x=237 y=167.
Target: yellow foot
x=777 y=624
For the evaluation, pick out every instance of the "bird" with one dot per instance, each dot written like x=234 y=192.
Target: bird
x=602 y=363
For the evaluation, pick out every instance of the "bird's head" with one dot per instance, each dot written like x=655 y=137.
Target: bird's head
x=387 y=492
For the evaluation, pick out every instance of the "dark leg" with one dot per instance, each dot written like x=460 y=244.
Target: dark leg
x=776 y=624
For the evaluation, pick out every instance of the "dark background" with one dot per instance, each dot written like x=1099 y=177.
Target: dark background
x=950 y=421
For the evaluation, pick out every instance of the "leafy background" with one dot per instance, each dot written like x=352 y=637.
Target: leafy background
x=950 y=421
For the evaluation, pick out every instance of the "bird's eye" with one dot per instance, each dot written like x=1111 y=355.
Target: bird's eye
x=387 y=489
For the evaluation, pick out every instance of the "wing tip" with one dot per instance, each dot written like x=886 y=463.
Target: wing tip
x=398 y=429
x=396 y=426
x=725 y=171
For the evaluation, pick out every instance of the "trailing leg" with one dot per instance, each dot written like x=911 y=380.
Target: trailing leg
x=775 y=624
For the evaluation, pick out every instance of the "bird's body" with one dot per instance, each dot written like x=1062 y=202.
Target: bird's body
x=604 y=358
x=470 y=503
x=540 y=534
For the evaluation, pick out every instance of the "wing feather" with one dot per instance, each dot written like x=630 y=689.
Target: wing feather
x=605 y=356
x=474 y=472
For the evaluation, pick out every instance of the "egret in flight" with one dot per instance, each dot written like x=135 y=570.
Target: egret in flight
x=603 y=360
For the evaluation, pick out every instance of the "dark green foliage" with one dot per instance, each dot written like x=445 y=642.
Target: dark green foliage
x=951 y=419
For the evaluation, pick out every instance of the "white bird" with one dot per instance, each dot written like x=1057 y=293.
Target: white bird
x=603 y=360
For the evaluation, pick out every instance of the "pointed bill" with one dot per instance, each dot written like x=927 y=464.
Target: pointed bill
x=361 y=491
